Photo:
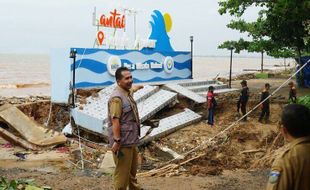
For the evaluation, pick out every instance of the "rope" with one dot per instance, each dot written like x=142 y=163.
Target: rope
x=51 y=105
x=236 y=122
x=78 y=127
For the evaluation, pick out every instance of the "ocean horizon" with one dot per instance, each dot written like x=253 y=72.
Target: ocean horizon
x=31 y=72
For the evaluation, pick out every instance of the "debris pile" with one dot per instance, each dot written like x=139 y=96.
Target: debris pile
x=248 y=145
x=171 y=130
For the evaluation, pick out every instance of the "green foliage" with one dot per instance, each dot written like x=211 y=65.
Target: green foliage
x=285 y=22
x=237 y=7
x=304 y=100
x=237 y=46
x=8 y=185
x=282 y=52
x=261 y=75
x=5 y=184
x=282 y=28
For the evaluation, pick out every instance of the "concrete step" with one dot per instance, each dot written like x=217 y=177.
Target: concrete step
x=204 y=88
x=219 y=91
x=144 y=130
x=155 y=103
x=197 y=83
x=185 y=92
x=171 y=124
x=93 y=114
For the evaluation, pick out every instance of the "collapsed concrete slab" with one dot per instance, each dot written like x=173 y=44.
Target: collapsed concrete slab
x=200 y=87
x=155 y=103
x=171 y=153
x=219 y=91
x=144 y=131
x=28 y=128
x=186 y=93
x=107 y=165
x=93 y=116
x=17 y=140
x=171 y=124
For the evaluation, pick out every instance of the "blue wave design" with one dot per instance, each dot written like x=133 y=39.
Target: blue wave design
x=180 y=66
x=158 y=79
x=130 y=62
x=86 y=51
x=159 y=32
x=91 y=84
x=92 y=65
x=98 y=67
x=84 y=75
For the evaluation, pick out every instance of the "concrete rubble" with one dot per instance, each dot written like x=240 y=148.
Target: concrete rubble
x=91 y=114
x=91 y=117
x=32 y=135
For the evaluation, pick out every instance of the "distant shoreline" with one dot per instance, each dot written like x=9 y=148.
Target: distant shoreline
x=220 y=56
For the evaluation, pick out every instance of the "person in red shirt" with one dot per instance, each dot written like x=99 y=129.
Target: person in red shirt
x=211 y=105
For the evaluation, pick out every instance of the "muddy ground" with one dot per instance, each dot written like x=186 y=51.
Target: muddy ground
x=236 y=160
x=77 y=180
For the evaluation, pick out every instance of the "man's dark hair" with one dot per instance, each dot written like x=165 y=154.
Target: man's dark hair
x=118 y=73
x=211 y=88
x=296 y=119
x=244 y=82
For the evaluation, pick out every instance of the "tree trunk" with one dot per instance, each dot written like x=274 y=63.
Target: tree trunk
x=300 y=77
x=262 y=62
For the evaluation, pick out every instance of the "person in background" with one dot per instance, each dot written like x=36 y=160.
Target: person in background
x=291 y=170
x=124 y=130
x=243 y=98
x=211 y=105
x=265 y=105
x=293 y=93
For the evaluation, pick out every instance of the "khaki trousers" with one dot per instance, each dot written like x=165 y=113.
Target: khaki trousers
x=126 y=169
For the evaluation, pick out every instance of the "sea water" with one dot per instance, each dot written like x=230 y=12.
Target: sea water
x=29 y=74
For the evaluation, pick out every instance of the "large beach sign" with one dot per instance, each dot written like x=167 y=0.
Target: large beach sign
x=96 y=67
x=150 y=60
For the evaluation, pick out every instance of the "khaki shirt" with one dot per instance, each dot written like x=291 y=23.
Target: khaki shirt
x=291 y=170
x=116 y=104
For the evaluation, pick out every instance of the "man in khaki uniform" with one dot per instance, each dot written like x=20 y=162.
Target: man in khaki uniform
x=124 y=131
x=291 y=170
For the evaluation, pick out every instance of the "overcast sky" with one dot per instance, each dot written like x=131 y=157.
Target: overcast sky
x=37 y=26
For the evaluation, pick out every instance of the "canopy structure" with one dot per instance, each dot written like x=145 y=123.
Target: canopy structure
x=303 y=78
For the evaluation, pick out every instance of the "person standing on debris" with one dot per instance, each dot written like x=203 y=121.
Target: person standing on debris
x=211 y=105
x=291 y=170
x=243 y=99
x=293 y=93
x=265 y=105
x=124 y=130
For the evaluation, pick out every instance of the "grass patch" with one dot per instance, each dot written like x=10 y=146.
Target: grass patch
x=261 y=75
